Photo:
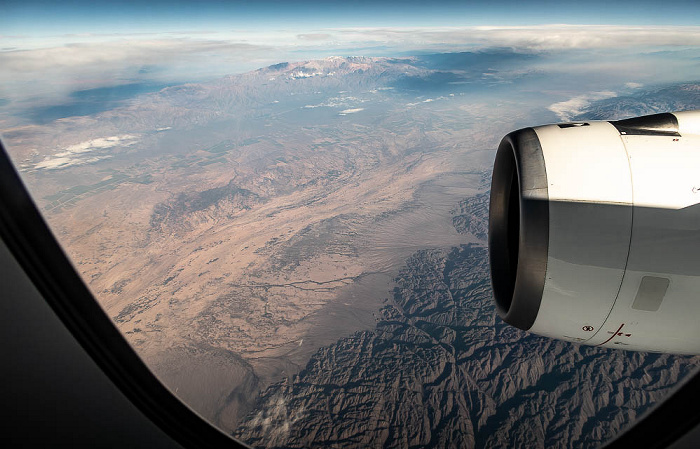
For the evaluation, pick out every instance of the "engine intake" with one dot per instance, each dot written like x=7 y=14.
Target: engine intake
x=519 y=227
x=594 y=232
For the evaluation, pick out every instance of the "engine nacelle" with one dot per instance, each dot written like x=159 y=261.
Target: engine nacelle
x=594 y=232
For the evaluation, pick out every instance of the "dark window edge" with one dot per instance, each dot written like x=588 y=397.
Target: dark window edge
x=33 y=245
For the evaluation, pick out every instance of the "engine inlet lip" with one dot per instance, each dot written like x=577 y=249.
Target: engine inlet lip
x=519 y=228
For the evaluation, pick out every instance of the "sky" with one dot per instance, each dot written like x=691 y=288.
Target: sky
x=52 y=49
x=91 y=16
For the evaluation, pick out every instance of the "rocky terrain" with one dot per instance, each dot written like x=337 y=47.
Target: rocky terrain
x=441 y=370
x=649 y=101
x=231 y=228
x=298 y=252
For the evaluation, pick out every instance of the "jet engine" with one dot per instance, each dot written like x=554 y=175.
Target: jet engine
x=594 y=232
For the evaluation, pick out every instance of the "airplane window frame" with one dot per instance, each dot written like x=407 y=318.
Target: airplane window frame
x=31 y=242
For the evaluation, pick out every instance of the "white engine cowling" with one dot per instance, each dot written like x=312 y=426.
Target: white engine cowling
x=594 y=232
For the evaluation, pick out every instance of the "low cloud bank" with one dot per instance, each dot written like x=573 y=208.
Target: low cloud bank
x=565 y=110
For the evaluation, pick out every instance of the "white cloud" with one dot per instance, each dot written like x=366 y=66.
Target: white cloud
x=631 y=85
x=569 y=108
x=315 y=36
x=350 y=111
x=428 y=100
x=59 y=68
x=53 y=163
x=300 y=74
x=335 y=102
x=136 y=51
x=78 y=154
x=100 y=143
x=58 y=65
x=71 y=52
x=527 y=38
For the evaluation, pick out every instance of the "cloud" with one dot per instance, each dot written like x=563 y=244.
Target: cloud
x=574 y=106
x=429 y=100
x=524 y=38
x=58 y=70
x=351 y=111
x=60 y=63
x=276 y=419
x=147 y=49
x=82 y=153
x=335 y=102
x=54 y=163
x=301 y=74
x=314 y=36
x=632 y=85
x=133 y=52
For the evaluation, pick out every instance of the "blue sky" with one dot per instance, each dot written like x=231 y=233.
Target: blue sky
x=22 y=17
